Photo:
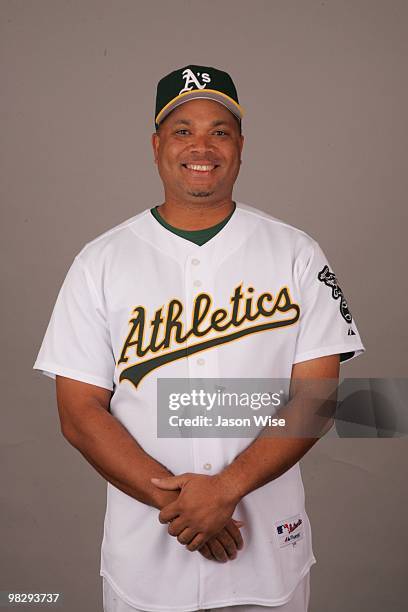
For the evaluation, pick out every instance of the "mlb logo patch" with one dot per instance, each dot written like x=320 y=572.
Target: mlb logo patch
x=289 y=530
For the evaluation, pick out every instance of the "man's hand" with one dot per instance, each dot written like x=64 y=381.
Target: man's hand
x=203 y=508
x=225 y=544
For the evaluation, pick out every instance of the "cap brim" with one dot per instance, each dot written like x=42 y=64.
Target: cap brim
x=209 y=94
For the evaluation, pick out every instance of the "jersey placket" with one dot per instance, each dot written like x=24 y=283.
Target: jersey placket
x=199 y=277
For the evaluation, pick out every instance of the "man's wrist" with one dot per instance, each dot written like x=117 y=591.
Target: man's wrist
x=231 y=486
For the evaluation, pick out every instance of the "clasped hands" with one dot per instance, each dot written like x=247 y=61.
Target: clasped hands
x=201 y=516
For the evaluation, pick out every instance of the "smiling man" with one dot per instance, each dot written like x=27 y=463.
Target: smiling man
x=198 y=180
x=199 y=287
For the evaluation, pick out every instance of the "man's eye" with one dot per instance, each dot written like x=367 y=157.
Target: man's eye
x=221 y=132
x=178 y=131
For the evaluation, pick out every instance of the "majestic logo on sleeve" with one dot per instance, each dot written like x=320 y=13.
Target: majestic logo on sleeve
x=191 y=81
x=329 y=279
x=163 y=339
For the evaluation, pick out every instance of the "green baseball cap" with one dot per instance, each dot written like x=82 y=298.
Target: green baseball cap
x=193 y=82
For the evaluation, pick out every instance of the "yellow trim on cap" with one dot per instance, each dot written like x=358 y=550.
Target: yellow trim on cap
x=186 y=93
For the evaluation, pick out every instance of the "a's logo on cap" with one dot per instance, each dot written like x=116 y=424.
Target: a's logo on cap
x=192 y=82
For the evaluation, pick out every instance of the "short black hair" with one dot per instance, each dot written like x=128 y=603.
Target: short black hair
x=239 y=123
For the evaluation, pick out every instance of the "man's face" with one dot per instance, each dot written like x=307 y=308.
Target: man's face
x=199 y=132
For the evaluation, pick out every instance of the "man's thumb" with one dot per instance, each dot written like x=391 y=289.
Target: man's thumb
x=170 y=483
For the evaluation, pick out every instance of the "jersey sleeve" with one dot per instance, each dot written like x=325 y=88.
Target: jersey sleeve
x=77 y=340
x=326 y=325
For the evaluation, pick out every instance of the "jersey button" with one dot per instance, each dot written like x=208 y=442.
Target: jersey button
x=207 y=466
x=197 y=283
x=195 y=261
x=201 y=361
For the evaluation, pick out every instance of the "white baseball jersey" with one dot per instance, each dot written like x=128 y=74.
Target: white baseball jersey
x=127 y=314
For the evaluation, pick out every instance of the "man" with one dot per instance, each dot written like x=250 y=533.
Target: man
x=199 y=287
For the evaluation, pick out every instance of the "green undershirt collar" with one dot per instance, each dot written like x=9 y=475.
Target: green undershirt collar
x=197 y=236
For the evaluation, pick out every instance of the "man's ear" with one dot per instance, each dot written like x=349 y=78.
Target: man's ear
x=155 y=145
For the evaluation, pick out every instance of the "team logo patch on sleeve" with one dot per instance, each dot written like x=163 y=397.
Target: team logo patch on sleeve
x=289 y=531
x=329 y=279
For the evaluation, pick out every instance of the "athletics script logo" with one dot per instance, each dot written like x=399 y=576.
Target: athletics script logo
x=191 y=81
x=162 y=339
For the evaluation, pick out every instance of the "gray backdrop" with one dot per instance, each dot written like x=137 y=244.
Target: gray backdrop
x=323 y=84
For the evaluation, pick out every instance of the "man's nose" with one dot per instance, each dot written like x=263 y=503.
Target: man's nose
x=201 y=142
